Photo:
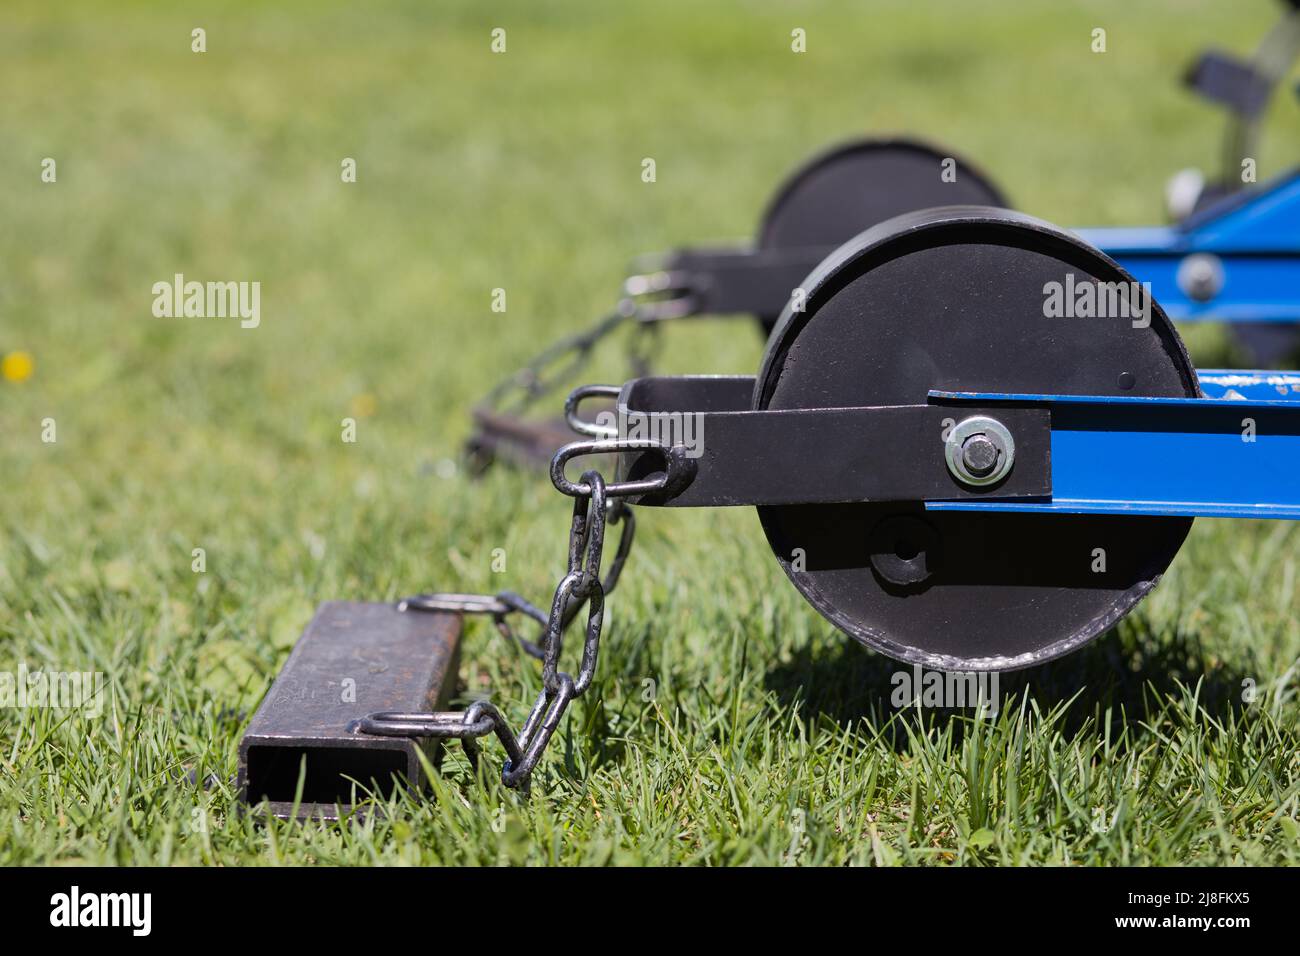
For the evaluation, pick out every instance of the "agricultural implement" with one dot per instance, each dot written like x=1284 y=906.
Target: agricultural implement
x=953 y=462
x=1232 y=255
x=947 y=471
x=1236 y=260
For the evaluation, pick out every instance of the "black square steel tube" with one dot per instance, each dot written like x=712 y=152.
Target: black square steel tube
x=352 y=660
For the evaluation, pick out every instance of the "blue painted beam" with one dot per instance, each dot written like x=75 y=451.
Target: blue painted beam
x=1255 y=237
x=1194 y=457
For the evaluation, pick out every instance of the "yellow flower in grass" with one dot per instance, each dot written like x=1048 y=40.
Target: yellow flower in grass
x=364 y=405
x=17 y=366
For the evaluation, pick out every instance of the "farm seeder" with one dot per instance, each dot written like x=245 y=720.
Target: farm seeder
x=1234 y=260
x=946 y=470
x=974 y=442
x=1232 y=254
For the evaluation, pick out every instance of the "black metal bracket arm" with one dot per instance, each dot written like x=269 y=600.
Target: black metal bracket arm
x=727 y=281
x=1234 y=83
x=742 y=456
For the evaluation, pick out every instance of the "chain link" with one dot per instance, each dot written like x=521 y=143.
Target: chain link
x=596 y=505
x=564 y=359
x=648 y=299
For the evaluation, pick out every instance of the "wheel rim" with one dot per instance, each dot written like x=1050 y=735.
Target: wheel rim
x=952 y=298
x=849 y=188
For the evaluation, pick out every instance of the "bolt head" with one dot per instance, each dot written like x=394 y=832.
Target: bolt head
x=979 y=454
x=1200 y=276
x=979 y=451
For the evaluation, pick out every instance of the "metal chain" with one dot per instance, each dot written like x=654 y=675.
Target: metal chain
x=648 y=299
x=552 y=367
x=596 y=504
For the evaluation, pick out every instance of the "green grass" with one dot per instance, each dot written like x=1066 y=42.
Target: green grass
x=770 y=737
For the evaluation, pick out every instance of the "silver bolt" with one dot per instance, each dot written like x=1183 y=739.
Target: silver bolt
x=1200 y=276
x=979 y=454
x=979 y=451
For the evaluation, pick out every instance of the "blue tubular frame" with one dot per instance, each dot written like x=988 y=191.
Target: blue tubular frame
x=1255 y=235
x=1235 y=454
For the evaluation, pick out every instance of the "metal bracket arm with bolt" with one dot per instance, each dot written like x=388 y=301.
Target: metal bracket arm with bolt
x=1221 y=456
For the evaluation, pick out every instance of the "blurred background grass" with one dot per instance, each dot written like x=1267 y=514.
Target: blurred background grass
x=522 y=171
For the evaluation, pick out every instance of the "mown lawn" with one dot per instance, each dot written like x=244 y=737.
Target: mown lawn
x=769 y=737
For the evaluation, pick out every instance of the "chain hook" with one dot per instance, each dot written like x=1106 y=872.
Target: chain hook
x=597 y=504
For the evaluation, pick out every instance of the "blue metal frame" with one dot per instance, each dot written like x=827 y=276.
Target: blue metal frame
x=1233 y=454
x=1265 y=386
x=1255 y=235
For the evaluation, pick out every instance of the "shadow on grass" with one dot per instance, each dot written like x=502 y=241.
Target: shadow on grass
x=1125 y=676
